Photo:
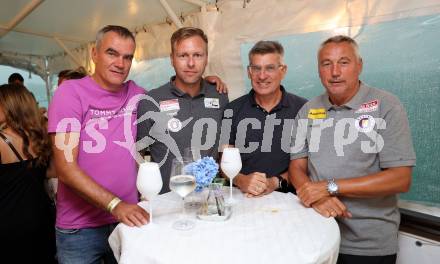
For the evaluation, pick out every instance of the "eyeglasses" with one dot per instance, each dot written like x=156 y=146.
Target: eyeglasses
x=271 y=68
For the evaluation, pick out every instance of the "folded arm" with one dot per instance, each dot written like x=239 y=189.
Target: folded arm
x=386 y=182
x=324 y=204
x=256 y=184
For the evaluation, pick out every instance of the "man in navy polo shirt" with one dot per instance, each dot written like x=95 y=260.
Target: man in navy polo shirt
x=262 y=121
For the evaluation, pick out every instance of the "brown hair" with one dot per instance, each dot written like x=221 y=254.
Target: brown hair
x=23 y=116
x=264 y=47
x=187 y=32
x=78 y=73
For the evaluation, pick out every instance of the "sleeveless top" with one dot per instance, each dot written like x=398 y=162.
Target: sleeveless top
x=27 y=225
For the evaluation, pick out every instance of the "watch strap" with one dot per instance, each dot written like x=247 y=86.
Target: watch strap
x=282 y=183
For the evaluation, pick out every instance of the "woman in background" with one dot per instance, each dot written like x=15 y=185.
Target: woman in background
x=26 y=212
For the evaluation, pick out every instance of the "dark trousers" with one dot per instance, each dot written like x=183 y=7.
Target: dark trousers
x=353 y=259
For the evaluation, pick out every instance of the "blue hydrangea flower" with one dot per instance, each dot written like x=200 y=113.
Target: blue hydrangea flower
x=204 y=170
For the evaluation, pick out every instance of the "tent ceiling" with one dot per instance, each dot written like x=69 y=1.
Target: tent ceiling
x=76 y=22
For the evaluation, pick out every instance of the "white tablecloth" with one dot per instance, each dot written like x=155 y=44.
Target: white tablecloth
x=272 y=229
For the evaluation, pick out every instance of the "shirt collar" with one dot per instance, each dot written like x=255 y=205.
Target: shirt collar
x=176 y=91
x=359 y=97
x=284 y=102
x=354 y=102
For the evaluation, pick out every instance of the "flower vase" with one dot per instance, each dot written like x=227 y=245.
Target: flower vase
x=215 y=203
x=194 y=200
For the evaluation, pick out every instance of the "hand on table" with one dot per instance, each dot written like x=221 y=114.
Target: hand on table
x=131 y=214
x=271 y=185
x=331 y=207
x=256 y=184
x=311 y=192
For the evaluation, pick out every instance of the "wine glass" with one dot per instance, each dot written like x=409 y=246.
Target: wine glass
x=231 y=166
x=149 y=182
x=192 y=154
x=182 y=183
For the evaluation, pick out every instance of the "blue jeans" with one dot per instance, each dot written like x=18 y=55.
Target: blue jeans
x=85 y=246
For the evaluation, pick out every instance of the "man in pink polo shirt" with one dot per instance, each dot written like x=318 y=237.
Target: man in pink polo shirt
x=97 y=173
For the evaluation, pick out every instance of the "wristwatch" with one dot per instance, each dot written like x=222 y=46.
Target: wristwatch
x=282 y=183
x=332 y=187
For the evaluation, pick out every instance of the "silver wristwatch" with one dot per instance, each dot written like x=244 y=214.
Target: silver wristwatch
x=332 y=187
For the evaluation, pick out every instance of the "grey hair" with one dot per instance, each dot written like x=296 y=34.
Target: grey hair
x=263 y=47
x=121 y=31
x=340 y=39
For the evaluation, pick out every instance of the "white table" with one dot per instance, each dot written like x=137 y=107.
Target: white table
x=272 y=229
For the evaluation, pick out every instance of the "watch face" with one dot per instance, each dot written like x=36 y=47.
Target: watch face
x=332 y=187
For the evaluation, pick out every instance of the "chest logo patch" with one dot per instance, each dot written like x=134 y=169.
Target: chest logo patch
x=169 y=105
x=174 y=125
x=317 y=113
x=212 y=103
x=368 y=107
x=364 y=123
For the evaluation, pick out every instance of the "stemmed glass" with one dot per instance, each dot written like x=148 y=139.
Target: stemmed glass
x=192 y=154
x=182 y=183
x=231 y=166
x=149 y=182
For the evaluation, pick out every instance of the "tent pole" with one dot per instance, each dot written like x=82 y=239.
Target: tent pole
x=22 y=14
x=42 y=34
x=47 y=79
x=78 y=62
x=198 y=3
x=171 y=13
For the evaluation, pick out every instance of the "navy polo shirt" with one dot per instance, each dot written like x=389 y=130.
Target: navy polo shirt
x=263 y=137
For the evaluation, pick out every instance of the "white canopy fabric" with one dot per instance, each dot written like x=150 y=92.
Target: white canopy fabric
x=36 y=43
x=43 y=24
